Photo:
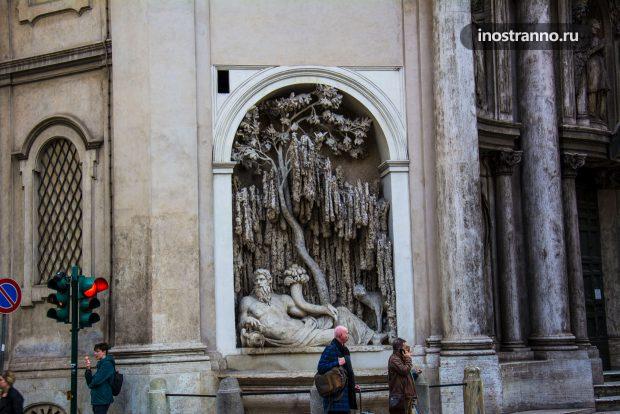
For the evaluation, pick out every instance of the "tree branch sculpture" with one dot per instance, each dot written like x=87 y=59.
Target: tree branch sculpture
x=279 y=133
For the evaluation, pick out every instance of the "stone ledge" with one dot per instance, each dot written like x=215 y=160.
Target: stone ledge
x=309 y=350
x=50 y=65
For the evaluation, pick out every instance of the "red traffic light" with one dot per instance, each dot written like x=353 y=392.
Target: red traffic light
x=99 y=285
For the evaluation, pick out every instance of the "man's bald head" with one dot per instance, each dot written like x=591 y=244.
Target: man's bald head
x=341 y=333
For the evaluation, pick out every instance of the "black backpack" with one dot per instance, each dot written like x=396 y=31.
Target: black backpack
x=116 y=383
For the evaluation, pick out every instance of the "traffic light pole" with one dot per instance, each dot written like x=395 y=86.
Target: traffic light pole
x=75 y=272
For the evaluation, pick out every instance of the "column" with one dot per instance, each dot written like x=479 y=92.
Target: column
x=542 y=191
x=459 y=216
x=572 y=162
x=503 y=163
x=458 y=182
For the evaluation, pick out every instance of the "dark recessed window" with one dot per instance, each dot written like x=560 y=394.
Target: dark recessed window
x=223 y=85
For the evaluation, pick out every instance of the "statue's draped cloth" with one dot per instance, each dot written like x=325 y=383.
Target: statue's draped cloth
x=313 y=332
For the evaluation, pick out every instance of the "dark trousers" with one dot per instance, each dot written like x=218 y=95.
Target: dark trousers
x=101 y=409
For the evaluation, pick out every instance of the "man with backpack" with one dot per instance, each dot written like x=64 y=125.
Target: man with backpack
x=101 y=383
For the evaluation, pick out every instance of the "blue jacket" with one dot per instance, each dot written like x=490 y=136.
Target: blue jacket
x=329 y=360
x=100 y=383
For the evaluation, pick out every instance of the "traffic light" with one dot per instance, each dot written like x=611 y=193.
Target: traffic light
x=88 y=287
x=61 y=284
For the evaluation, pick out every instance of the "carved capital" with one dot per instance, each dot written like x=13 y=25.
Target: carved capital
x=571 y=162
x=504 y=161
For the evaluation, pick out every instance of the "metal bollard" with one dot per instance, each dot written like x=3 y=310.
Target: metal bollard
x=158 y=403
x=228 y=400
x=473 y=396
x=316 y=401
x=424 y=399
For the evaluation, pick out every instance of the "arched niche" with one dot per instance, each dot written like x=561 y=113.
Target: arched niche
x=394 y=172
x=53 y=128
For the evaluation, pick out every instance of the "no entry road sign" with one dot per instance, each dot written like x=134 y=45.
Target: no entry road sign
x=10 y=295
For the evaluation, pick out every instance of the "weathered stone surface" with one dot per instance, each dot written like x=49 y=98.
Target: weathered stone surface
x=579 y=327
x=542 y=191
x=229 y=397
x=458 y=174
x=451 y=371
x=510 y=289
x=158 y=403
x=555 y=383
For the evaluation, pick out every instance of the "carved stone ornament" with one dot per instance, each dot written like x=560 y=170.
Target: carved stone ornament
x=571 y=162
x=269 y=318
x=504 y=161
x=29 y=11
x=293 y=206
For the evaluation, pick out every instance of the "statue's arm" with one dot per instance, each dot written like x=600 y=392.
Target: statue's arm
x=294 y=311
x=300 y=303
x=246 y=320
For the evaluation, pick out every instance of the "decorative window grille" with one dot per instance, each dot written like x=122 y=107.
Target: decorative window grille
x=59 y=209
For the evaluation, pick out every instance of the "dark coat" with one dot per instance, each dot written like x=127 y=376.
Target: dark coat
x=100 y=383
x=400 y=378
x=13 y=403
x=329 y=360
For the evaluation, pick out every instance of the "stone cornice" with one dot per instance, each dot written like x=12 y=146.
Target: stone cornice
x=593 y=142
x=496 y=134
x=50 y=65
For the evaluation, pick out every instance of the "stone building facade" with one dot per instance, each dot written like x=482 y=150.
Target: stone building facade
x=117 y=125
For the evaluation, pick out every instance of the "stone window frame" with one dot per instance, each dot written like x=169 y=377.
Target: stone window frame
x=394 y=173
x=52 y=128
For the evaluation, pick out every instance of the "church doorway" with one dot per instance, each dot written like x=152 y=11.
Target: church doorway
x=591 y=260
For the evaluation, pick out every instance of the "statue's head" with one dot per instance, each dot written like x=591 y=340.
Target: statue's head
x=262 y=285
x=359 y=291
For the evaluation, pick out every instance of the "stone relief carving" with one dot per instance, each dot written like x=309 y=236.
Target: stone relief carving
x=29 y=11
x=268 y=318
x=591 y=77
x=293 y=207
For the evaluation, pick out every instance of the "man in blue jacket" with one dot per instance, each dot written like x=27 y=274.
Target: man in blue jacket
x=337 y=354
x=100 y=383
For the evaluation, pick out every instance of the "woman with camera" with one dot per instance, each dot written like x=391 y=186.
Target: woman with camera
x=400 y=378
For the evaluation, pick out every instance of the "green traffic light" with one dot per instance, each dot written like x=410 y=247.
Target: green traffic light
x=61 y=284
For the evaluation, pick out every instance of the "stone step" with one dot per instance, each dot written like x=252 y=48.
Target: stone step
x=559 y=411
x=608 y=403
x=607 y=389
x=612 y=375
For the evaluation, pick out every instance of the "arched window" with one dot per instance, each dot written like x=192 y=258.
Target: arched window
x=63 y=205
x=59 y=208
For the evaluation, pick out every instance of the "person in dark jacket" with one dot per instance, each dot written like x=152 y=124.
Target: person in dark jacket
x=400 y=378
x=337 y=354
x=100 y=382
x=12 y=401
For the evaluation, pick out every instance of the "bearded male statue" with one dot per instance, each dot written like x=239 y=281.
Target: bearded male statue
x=268 y=318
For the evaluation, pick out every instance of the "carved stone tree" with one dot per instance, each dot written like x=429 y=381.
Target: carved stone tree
x=294 y=206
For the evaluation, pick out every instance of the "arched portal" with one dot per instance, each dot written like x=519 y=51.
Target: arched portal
x=394 y=169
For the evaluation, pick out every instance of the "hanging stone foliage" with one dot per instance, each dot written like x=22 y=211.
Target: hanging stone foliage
x=298 y=208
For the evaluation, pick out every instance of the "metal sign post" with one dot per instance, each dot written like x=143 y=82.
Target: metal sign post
x=75 y=273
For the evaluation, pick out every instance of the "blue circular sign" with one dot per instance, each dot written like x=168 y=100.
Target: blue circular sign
x=10 y=295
